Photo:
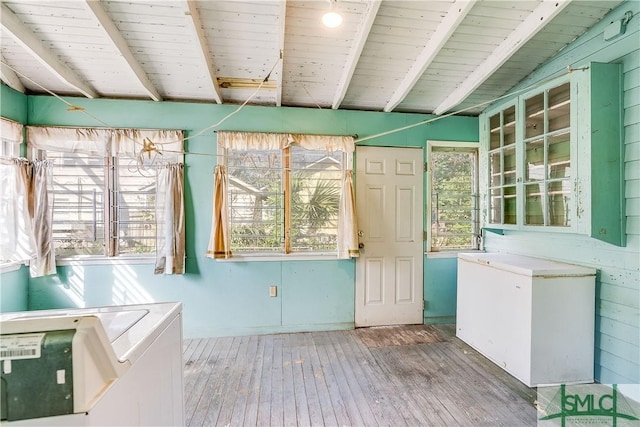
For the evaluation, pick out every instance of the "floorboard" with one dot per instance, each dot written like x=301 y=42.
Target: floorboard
x=349 y=378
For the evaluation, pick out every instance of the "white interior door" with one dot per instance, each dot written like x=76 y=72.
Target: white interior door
x=389 y=194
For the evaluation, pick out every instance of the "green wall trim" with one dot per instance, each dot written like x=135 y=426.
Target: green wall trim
x=439 y=320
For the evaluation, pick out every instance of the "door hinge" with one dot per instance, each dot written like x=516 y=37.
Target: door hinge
x=424 y=305
x=424 y=236
x=426 y=167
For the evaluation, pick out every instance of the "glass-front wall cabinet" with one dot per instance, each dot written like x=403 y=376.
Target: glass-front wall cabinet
x=548 y=153
x=542 y=138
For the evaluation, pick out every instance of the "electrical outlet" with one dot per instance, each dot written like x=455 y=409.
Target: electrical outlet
x=273 y=291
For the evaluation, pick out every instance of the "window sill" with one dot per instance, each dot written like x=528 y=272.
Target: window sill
x=7 y=267
x=102 y=260
x=325 y=256
x=451 y=254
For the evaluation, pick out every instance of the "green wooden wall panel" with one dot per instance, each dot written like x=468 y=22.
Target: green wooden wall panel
x=617 y=330
x=607 y=154
x=626 y=370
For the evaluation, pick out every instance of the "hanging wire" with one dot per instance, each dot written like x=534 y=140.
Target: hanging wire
x=73 y=107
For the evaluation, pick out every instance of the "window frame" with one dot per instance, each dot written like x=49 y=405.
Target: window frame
x=284 y=251
x=521 y=140
x=111 y=187
x=462 y=146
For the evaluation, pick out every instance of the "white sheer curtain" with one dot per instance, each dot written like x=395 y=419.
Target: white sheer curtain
x=41 y=220
x=347 y=220
x=170 y=246
x=219 y=241
x=16 y=233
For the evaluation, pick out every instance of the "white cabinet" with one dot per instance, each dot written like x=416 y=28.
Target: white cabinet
x=532 y=317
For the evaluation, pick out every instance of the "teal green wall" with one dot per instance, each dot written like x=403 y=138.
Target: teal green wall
x=440 y=289
x=13 y=290
x=226 y=298
x=617 y=351
x=13 y=105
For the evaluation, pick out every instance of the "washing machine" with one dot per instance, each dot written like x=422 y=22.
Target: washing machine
x=106 y=366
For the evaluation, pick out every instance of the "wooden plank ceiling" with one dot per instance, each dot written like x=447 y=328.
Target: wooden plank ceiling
x=432 y=56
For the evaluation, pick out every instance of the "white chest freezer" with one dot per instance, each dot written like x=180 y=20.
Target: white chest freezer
x=104 y=366
x=533 y=317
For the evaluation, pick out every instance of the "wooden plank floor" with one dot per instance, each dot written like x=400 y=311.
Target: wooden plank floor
x=335 y=379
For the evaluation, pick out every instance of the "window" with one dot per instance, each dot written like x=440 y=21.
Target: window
x=453 y=204
x=102 y=190
x=284 y=200
x=102 y=205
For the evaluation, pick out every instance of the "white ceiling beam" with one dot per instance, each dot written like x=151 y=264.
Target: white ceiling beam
x=356 y=50
x=455 y=15
x=279 y=68
x=30 y=42
x=10 y=77
x=533 y=23
x=195 y=23
x=121 y=45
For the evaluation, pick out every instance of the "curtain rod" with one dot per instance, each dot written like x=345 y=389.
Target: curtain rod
x=354 y=136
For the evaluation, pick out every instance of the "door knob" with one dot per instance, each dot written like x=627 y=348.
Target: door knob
x=361 y=245
x=360 y=233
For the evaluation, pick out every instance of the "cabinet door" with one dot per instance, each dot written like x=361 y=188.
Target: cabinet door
x=502 y=167
x=548 y=187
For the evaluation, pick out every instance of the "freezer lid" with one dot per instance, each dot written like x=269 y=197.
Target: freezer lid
x=527 y=266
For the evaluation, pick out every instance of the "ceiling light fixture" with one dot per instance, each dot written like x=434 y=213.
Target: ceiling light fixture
x=332 y=19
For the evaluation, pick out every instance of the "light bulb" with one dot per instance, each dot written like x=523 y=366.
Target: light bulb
x=331 y=19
